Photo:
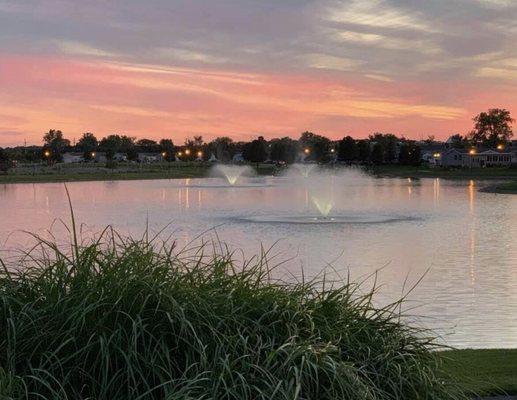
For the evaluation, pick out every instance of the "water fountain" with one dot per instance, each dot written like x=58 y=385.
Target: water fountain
x=232 y=173
x=323 y=190
x=304 y=169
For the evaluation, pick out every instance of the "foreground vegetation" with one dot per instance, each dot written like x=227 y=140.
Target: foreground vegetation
x=137 y=319
x=483 y=372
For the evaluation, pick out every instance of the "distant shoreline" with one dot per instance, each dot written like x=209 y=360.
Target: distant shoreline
x=502 y=188
x=164 y=171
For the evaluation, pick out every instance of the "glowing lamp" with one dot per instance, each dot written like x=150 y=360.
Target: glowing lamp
x=47 y=153
x=187 y=152
x=472 y=152
x=500 y=146
x=200 y=154
x=307 y=151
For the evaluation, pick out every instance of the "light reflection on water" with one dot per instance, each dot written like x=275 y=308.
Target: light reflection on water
x=467 y=239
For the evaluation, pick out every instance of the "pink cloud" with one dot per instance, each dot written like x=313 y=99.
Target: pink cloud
x=39 y=93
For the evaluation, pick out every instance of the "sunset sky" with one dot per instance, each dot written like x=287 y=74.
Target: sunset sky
x=177 y=68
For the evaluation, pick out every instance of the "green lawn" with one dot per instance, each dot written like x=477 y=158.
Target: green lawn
x=502 y=188
x=82 y=172
x=457 y=173
x=484 y=372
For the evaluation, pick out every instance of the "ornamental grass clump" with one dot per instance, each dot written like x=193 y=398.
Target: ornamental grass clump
x=118 y=318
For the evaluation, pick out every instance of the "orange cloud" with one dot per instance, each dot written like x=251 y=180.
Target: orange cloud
x=38 y=93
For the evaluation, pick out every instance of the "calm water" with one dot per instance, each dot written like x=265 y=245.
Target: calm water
x=465 y=240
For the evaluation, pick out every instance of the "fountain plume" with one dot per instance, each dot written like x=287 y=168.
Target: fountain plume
x=232 y=173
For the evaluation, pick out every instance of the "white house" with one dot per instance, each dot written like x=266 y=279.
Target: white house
x=149 y=158
x=73 y=158
x=473 y=159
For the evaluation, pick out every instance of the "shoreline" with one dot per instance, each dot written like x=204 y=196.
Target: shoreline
x=502 y=188
x=72 y=174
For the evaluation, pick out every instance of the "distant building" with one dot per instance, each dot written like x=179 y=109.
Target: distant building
x=73 y=158
x=120 y=157
x=464 y=158
x=238 y=158
x=149 y=158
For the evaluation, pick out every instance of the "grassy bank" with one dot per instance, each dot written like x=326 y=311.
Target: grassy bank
x=126 y=319
x=124 y=171
x=503 y=188
x=483 y=372
x=457 y=173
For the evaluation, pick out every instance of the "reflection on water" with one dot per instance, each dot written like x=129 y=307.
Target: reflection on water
x=467 y=239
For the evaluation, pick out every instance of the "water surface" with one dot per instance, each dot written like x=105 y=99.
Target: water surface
x=464 y=241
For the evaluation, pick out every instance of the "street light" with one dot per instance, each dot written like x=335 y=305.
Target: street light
x=472 y=152
x=164 y=154
x=187 y=152
x=180 y=154
x=500 y=146
x=93 y=154
x=199 y=154
x=307 y=151
x=332 y=150
x=46 y=153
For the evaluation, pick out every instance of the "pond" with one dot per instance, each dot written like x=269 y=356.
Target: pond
x=460 y=245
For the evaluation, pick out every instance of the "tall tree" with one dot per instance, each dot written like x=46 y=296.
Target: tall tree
x=256 y=150
x=492 y=127
x=284 y=149
x=55 y=142
x=5 y=163
x=388 y=142
x=410 y=154
x=148 y=145
x=167 y=149
x=112 y=144
x=377 y=155
x=87 y=144
x=318 y=146
x=363 y=149
x=347 y=149
x=223 y=148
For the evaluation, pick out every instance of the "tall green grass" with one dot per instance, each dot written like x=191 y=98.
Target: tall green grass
x=120 y=318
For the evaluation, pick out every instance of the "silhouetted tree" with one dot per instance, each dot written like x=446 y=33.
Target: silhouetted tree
x=222 y=148
x=255 y=151
x=388 y=142
x=318 y=146
x=347 y=149
x=377 y=156
x=55 y=142
x=363 y=149
x=113 y=144
x=87 y=144
x=167 y=147
x=5 y=163
x=457 y=141
x=492 y=127
x=148 y=146
x=284 y=149
x=410 y=154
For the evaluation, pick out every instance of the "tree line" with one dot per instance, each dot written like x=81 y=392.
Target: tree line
x=490 y=129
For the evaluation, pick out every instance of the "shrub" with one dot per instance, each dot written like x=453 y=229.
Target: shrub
x=119 y=318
